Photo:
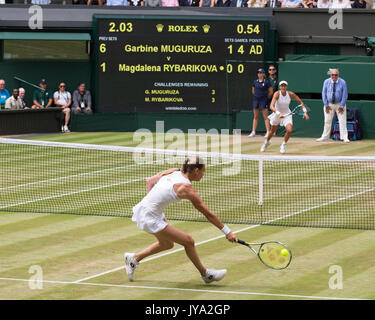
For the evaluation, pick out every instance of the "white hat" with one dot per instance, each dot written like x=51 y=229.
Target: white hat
x=283 y=82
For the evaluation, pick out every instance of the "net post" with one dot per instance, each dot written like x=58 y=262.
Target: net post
x=260 y=181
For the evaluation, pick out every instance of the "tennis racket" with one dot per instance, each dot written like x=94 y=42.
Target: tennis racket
x=273 y=254
x=299 y=110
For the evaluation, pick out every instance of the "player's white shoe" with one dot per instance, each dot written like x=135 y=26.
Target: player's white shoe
x=214 y=275
x=252 y=134
x=346 y=140
x=264 y=146
x=66 y=129
x=321 y=140
x=283 y=147
x=130 y=265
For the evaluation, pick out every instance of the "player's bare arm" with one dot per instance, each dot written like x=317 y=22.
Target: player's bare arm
x=273 y=102
x=151 y=181
x=270 y=92
x=186 y=191
x=295 y=97
x=298 y=99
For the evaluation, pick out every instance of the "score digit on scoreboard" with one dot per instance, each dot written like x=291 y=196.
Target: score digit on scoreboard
x=164 y=64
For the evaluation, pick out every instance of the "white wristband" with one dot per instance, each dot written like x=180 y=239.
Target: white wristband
x=277 y=112
x=225 y=230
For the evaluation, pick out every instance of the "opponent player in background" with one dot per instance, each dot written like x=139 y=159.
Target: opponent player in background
x=163 y=189
x=282 y=115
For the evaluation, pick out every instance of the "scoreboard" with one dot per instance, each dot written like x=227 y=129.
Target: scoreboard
x=176 y=64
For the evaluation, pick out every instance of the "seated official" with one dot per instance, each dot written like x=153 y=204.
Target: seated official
x=4 y=93
x=14 y=102
x=22 y=93
x=63 y=99
x=81 y=100
x=42 y=97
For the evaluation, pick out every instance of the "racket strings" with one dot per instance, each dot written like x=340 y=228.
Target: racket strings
x=275 y=255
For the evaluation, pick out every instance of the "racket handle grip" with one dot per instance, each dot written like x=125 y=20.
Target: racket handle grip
x=242 y=242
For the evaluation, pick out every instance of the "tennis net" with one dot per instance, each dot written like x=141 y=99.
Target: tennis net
x=52 y=177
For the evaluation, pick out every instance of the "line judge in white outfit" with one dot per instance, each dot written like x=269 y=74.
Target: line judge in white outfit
x=281 y=114
x=334 y=95
x=163 y=189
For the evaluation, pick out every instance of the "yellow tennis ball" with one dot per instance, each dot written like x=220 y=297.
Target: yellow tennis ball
x=284 y=252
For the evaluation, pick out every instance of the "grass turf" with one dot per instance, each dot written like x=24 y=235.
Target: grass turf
x=71 y=247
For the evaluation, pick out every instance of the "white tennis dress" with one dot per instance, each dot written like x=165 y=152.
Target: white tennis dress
x=281 y=105
x=148 y=214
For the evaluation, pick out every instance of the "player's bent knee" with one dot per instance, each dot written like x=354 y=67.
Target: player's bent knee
x=168 y=245
x=189 y=241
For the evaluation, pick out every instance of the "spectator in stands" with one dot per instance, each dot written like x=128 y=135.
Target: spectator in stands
x=135 y=3
x=273 y=4
x=359 y=4
x=152 y=3
x=262 y=93
x=209 y=3
x=308 y=4
x=188 y=3
x=324 y=3
x=256 y=3
x=116 y=3
x=272 y=77
x=222 y=3
x=334 y=95
x=14 y=102
x=95 y=2
x=340 y=4
x=291 y=3
x=42 y=97
x=41 y=2
x=63 y=99
x=82 y=100
x=238 y=3
x=170 y=3
x=22 y=93
x=4 y=94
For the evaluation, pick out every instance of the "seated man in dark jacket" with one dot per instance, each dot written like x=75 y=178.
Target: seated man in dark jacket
x=238 y=3
x=82 y=100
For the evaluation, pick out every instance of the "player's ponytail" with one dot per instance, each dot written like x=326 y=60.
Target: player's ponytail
x=191 y=163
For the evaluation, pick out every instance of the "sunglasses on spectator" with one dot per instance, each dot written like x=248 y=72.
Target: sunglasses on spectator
x=334 y=74
x=62 y=86
x=270 y=69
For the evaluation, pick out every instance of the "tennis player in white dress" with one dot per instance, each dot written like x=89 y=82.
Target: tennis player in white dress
x=281 y=115
x=163 y=189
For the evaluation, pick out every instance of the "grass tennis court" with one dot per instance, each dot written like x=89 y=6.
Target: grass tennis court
x=82 y=256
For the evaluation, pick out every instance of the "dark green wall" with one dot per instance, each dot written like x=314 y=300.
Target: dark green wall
x=314 y=126
x=132 y=121
x=307 y=73
x=241 y=120
x=54 y=71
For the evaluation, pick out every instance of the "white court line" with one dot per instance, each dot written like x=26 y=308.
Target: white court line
x=222 y=236
x=86 y=190
x=62 y=178
x=185 y=289
x=71 y=193
x=77 y=175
